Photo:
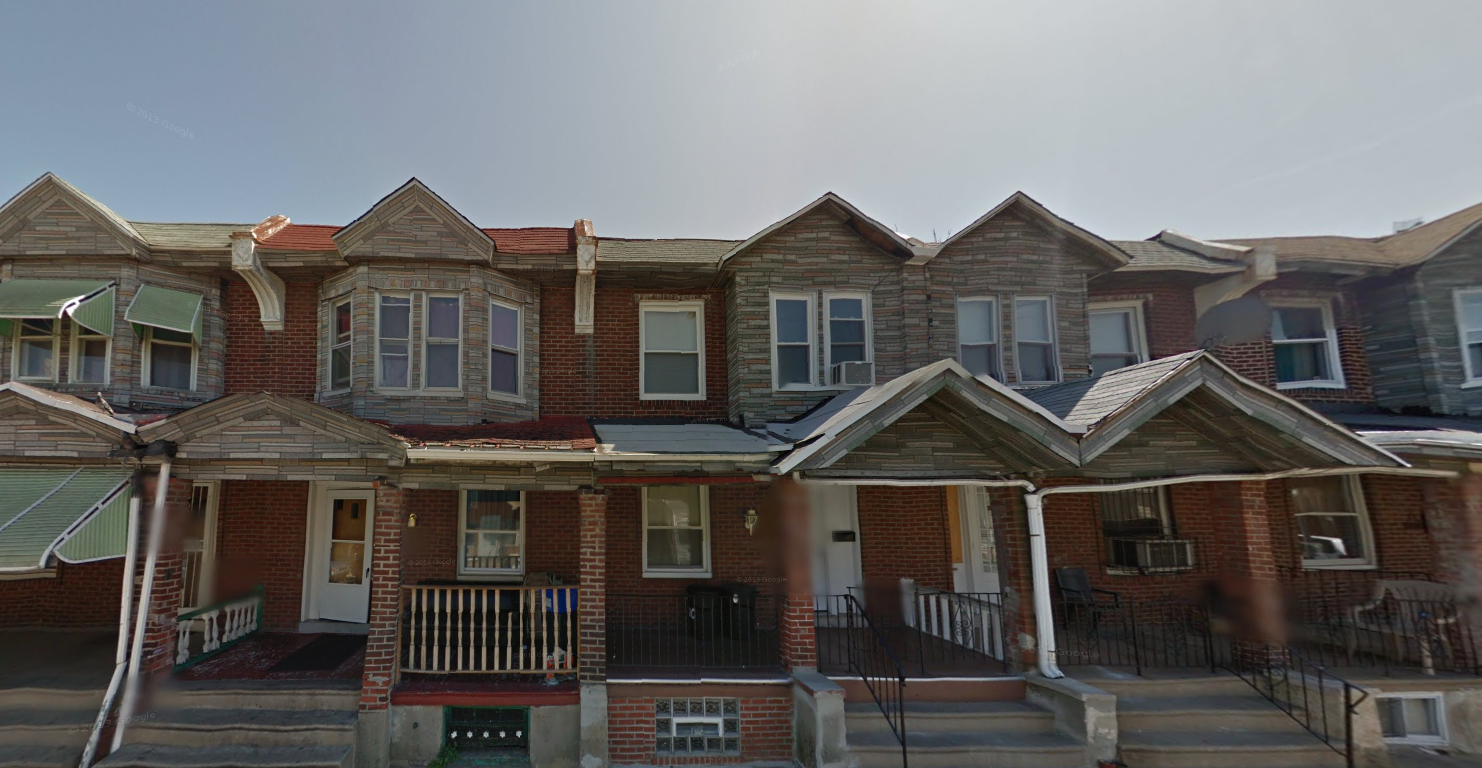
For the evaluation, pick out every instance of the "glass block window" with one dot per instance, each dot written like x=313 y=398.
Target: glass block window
x=706 y=726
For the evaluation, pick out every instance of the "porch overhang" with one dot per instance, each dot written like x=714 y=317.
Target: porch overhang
x=76 y=514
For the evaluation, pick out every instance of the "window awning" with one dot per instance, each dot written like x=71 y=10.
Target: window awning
x=88 y=302
x=77 y=514
x=166 y=308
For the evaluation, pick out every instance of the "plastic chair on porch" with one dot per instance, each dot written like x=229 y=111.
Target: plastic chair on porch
x=1081 y=598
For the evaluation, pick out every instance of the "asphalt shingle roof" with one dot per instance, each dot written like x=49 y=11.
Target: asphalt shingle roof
x=674 y=251
x=1148 y=254
x=551 y=433
x=1090 y=401
x=188 y=237
x=1393 y=251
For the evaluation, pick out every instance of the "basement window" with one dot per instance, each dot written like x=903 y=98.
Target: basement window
x=697 y=726
x=1412 y=718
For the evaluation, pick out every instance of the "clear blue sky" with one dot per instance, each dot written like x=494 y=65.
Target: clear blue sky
x=706 y=119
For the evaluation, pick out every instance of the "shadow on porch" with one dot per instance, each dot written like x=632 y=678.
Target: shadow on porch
x=57 y=659
x=284 y=656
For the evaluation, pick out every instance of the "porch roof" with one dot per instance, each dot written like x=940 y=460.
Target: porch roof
x=76 y=513
x=1446 y=443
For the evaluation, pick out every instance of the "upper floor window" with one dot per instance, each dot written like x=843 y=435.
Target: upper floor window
x=492 y=527
x=977 y=337
x=1116 y=337
x=442 y=343
x=505 y=334
x=1332 y=522
x=676 y=531
x=340 y=350
x=848 y=330
x=36 y=350
x=1034 y=340
x=1469 y=326
x=169 y=359
x=393 y=342
x=1306 y=346
x=90 y=351
x=672 y=361
x=794 y=361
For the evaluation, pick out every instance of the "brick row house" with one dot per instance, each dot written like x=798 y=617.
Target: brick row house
x=829 y=495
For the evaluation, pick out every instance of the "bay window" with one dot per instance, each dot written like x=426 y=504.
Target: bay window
x=1469 y=328
x=672 y=359
x=393 y=341
x=36 y=350
x=505 y=332
x=170 y=359
x=1034 y=340
x=794 y=362
x=1332 y=522
x=90 y=351
x=977 y=337
x=1116 y=337
x=1305 y=345
x=676 y=531
x=848 y=328
x=442 y=343
x=492 y=529
x=340 y=351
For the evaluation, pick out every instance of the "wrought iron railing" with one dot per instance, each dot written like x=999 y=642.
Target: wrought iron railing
x=488 y=629
x=1314 y=697
x=713 y=630
x=1141 y=634
x=205 y=632
x=869 y=656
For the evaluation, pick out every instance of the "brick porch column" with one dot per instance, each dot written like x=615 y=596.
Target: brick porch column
x=788 y=504
x=169 y=577
x=1248 y=577
x=373 y=733
x=592 y=620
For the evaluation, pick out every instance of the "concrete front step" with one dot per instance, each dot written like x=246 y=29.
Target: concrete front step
x=52 y=698
x=160 y=756
x=966 y=749
x=1248 y=712
x=45 y=727
x=266 y=694
x=1125 y=685
x=1228 y=749
x=943 y=716
x=39 y=756
x=209 y=726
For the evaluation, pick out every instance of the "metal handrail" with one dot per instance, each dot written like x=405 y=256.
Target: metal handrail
x=887 y=686
x=1312 y=681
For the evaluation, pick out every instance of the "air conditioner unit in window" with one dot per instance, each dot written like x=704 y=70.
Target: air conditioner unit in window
x=1152 y=555
x=856 y=374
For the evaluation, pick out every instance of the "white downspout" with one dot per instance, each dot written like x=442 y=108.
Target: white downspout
x=1039 y=571
x=146 y=592
x=121 y=656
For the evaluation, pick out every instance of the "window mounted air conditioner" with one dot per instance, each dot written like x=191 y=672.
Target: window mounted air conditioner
x=855 y=374
x=1152 y=555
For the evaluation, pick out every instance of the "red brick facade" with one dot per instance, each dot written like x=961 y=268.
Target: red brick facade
x=903 y=534
x=80 y=596
x=261 y=529
x=281 y=362
x=735 y=555
x=385 y=599
x=766 y=732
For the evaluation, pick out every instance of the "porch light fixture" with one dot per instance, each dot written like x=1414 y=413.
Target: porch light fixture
x=750 y=522
x=412 y=520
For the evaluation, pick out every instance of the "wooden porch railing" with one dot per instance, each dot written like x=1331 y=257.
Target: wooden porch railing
x=488 y=630
x=205 y=632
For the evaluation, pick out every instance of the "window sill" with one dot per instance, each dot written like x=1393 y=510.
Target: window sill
x=1338 y=566
x=505 y=578
x=1113 y=570
x=1284 y=386
x=676 y=398
x=1473 y=384
x=506 y=397
x=705 y=574
x=435 y=394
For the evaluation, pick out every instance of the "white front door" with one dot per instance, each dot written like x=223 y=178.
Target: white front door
x=344 y=556
x=979 y=569
x=836 y=562
x=199 y=548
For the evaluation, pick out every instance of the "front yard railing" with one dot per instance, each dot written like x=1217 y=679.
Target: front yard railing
x=705 y=631
x=205 y=632
x=1318 y=700
x=488 y=629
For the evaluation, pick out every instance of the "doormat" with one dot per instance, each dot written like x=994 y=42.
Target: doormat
x=324 y=653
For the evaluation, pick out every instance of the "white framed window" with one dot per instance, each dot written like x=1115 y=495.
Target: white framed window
x=794 y=350
x=491 y=529
x=1117 y=336
x=1034 y=340
x=442 y=342
x=393 y=341
x=1332 y=522
x=36 y=345
x=977 y=336
x=169 y=359
x=90 y=353
x=676 y=531
x=506 y=339
x=671 y=363
x=847 y=336
x=1412 y=717
x=1469 y=330
x=1306 y=346
x=341 y=352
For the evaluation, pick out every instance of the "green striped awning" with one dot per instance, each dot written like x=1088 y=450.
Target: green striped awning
x=88 y=302
x=166 y=308
x=77 y=514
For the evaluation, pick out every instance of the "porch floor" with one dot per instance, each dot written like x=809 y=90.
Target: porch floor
x=50 y=658
x=254 y=658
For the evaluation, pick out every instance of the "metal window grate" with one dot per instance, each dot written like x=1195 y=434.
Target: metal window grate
x=697 y=726
x=487 y=727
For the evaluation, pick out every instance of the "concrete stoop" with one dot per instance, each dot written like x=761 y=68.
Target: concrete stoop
x=1212 y=721
x=995 y=734
x=45 y=727
x=256 y=724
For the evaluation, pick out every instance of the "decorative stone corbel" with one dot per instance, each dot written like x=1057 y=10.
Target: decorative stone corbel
x=267 y=286
x=586 y=276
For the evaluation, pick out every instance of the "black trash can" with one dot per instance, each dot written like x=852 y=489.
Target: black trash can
x=705 y=608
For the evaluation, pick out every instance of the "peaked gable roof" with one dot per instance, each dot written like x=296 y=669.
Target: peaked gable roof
x=55 y=401
x=1103 y=248
x=406 y=198
x=50 y=186
x=233 y=410
x=878 y=234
